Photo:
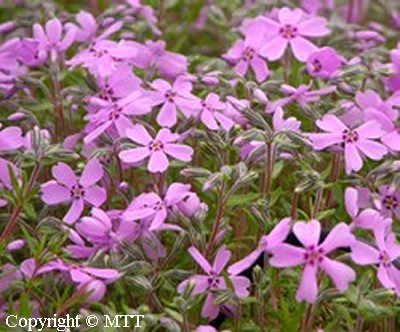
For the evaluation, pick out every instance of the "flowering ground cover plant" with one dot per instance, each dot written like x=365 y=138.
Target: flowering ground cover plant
x=211 y=165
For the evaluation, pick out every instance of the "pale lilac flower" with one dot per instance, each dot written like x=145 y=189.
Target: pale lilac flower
x=384 y=255
x=280 y=124
x=152 y=206
x=245 y=53
x=212 y=280
x=50 y=38
x=393 y=81
x=277 y=235
x=148 y=13
x=324 y=63
x=68 y=188
x=356 y=142
x=314 y=256
x=155 y=149
x=172 y=97
x=212 y=113
x=292 y=26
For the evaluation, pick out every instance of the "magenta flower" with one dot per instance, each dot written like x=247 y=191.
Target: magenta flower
x=357 y=142
x=212 y=113
x=68 y=188
x=155 y=149
x=172 y=97
x=152 y=206
x=212 y=280
x=245 y=53
x=384 y=255
x=290 y=30
x=323 y=63
x=314 y=256
x=277 y=235
x=50 y=39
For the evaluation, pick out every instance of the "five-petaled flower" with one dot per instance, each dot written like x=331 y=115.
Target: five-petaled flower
x=155 y=149
x=68 y=188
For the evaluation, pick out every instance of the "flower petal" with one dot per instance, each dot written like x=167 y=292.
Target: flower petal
x=308 y=233
x=158 y=162
x=179 y=151
x=64 y=174
x=53 y=193
x=340 y=273
x=74 y=211
x=308 y=288
x=92 y=173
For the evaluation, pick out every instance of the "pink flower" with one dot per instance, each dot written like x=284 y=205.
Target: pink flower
x=155 y=149
x=155 y=208
x=11 y=139
x=357 y=142
x=314 y=256
x=50 y=39
x=245 y=53
x=212 y=113
x=290 y=30
x=388 y=201
x=367 y=218
x=173 y=97
x=277 y=235
x=323 y=63
x=212 y=280
x=384 y=256
x=68 y=188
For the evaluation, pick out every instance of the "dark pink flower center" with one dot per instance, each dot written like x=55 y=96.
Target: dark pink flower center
x=204 y=105
x=385 y=259
x=114 y=114
x=350 y=136
x=77 y=191
x=169 y=95
x=156 y=146
x=313 y=255
x=317 y=66
x=390 y=202
x=213 y=280
x=288 y=31
x=248 y=53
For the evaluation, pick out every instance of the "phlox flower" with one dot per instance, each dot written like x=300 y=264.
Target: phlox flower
x=50 y=38
x=292 y=26
x=368 y=218
x=277 y=235
x=388 y=201
x=104 y=57
x=155 y=149
x=356 y=142
x=115 y=114
x=68 y=188
x=245 y=53
x=323 y=63
x=314 y=256
x=212 y=280
x=104 y=231
x=172 y=97
x=87 y=28
x=212 y=113
x=89 y=279
x=10 y=138
x=156 y=208
x=384 y=255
